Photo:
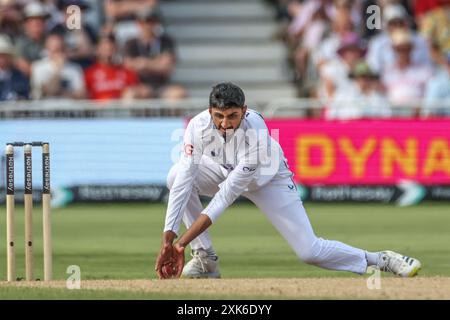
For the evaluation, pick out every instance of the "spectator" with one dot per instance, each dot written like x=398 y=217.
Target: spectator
x=54 y=76
x=405 y=81
x=334 y=73
x=283 y=14
x=121 y=14
x=362 y=98
x=437 y=92
x=152 y=56
x=434 y=25
x=55 y=16
x=80 y=42
x=421 y=8
x=10 y=19
x=108 y=79
x=305 y=14
x=31 y=43
x=307 y=30
x=381 y=55
x=14 y=84
x=341 y=26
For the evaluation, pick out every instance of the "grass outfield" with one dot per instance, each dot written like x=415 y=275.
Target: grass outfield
x=111 y=241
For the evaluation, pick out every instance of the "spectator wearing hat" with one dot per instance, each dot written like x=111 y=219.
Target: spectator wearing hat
x=437 y=92
x=334 y=73
x=80 y=42
x=405 y=81
x=362 y=98
x=152 y=56
x=14 y=85
x=108 y=79
x=54 y=76
x=31 y=44
x=381 y=54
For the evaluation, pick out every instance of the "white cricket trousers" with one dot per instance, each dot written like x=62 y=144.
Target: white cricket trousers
x=281 y=203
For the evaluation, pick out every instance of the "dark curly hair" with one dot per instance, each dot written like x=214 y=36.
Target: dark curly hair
x=226 y=95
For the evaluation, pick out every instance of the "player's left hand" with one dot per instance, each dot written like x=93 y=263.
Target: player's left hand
x=178 y=256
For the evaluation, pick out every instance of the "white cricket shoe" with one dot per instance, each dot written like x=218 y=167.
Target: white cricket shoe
x=201 y=265
x=398 y=264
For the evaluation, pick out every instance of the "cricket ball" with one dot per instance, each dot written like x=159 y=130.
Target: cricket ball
x=169 y=270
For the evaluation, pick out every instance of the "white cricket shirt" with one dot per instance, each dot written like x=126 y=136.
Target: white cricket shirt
x=249 y=155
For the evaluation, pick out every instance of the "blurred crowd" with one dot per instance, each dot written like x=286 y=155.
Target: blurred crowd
x=366 y=58
x=49 y=50
x=362 y=58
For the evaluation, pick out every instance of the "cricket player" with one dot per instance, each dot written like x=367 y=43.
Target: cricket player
x=228 y=153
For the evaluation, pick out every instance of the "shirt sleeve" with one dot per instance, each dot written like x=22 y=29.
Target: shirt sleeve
x=184 y=181
x=236 y=183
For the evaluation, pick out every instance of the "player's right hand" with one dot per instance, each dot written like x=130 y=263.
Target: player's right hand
x=165 y=262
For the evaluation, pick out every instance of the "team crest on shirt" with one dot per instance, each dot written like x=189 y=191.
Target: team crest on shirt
x=188 y=149
x=228 y=167
x=216 y=152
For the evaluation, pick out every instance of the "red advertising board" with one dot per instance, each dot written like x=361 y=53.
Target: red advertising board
x=366 y=152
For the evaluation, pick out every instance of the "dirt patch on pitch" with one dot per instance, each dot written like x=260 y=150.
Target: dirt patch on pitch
x=315 y=288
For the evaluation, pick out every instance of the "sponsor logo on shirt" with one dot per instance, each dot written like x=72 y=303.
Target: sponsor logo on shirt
x=229 y=167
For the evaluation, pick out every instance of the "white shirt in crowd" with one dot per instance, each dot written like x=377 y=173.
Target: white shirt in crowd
x=327 y=50
x=437 y=94
x=351 y=103
x=337 y=72
x=43 y=70
x=381 y=55
x=406 y=87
